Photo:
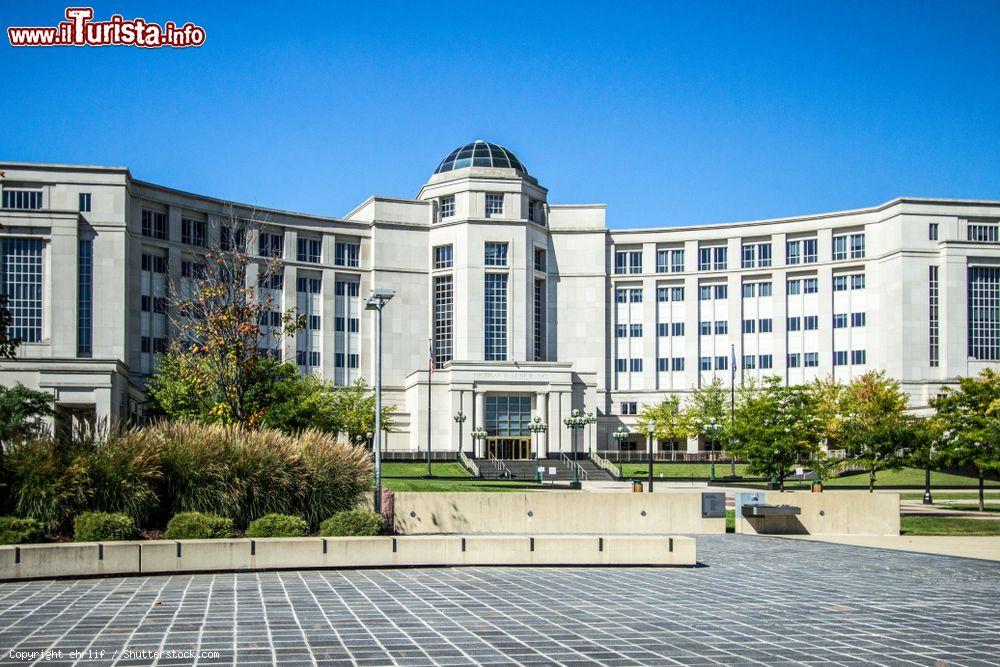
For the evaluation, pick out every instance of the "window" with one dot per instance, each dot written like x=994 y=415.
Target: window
x=756 y=254
x=839 y=320
x=84 y=202
x=839 y=283
x=705 y=328
x=794 y=360
x=629 y=408
x=794 y=323
x=662 y=294
x=677 y=364
x=635 y=295
x=338 y=359
x=839 y=247
x=21 y=271
x=705 y=293
x=721 y=363
x=721 y=327
x=193 y=232
x=663 y=329
x=857 y=246
x=447 y=207
x=749 y=290
x=308 y=250
x=764 y=289
x=347 y=253
x=662 y=261
x=858 y=281
x=495 y=307
x=539 y=323
x=981 y=233
x=443 y=258
x=154 y=224
x=749 y=361
x=810 y=359
x=810 y=322
x=793 y=252
x=230 y=241
x=794 y=286
x=749 y=326
x=353 y=360
x=621 y=365
x=270 y=245
x=932 y=231
x=494 y=205
x=749 y=252
x=840 y=358
x=933 y=315
x=540 y=264
x=85 y=298
x=857 y=357
x=857 y=319
x=507 y=415
x=628 y=261
x=676 y=293
x=704 y=259
x=621 y=331
x=810 y=286
x=721 y=291
x=705 y=363
x=531 y=210
x=635 y=365
x=22 y=199
x=809 y=251
x=984 y=302
x=677 y=329
x=635 y=330
x=765 y=360
x=676 y=261
x=719 y=258
x=764 y=325
x=443 y=318
x=621 y=296
x=495 y=254
x=764 y=255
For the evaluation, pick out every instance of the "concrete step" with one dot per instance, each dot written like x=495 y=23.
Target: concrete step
x=526 y=470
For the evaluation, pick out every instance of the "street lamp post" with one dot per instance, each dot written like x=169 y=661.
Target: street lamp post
x=928 y=500
x=537 y=428
x=460 y=420
x=650 y=427
x=591 y=419
x=376 y=301
x=575 y=422
x=620 y=435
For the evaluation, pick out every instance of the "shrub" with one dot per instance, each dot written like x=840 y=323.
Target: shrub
x=267 y=474
x=278 y=525
x=103 y=527
x=46 y=483
x=336 y=476
x=198 y=526
x=353 y=522
x=123 y=473
x=20 y=531
x=196 y=477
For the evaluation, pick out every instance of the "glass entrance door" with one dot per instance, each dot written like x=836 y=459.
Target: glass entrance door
x=509 y=448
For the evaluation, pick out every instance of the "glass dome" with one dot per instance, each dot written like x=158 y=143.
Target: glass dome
x=480 y=154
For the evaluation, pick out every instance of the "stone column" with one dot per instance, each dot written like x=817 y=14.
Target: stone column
x=542 y=409
x=479 y=418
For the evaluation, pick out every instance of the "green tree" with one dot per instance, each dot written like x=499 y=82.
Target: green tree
x=969 y=421
x=23 y=412
x=877 y=430
x=707 y=414
x=774 y=428
x=353 y=410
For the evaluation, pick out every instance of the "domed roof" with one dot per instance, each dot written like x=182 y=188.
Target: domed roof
x=480 y=154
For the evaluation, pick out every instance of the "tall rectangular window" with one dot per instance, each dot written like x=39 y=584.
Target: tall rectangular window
x=932 y=231
x=540 y=264
x=22 y=199
x=662 y=261
x=154 y=224
x=704 y=259
x=443 y=256
x=676 y=261
x=85 y=202
x=809 y=251
x=192 y=232
x=495 y=254
x=857 y=246
x=494 y=205
x=539 y=331
x=495 y=306
x=85 y=299
x=719 y=258
x=793 y=252
x=839 y=247
x=308 y=250
x=270 y=244
x=347 y=253
x=933 y=317
x=447 y=207
x=21 y=269
x=984 y=313
x=628 y=261
x=443 y=318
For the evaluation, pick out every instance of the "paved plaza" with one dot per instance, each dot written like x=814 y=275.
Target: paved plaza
x=755 y=600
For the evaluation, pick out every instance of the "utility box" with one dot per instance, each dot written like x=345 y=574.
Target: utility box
x=713 y=505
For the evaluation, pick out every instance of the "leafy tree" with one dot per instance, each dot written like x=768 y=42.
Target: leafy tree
x=353 y=410
x=969 y=421
x=876 y=431
x=707 y=413
x=23 y=412
x=774 y=428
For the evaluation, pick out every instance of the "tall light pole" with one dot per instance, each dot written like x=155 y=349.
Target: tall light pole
x=460 y=420
x=650 y=427
x=537 y=427
x=620 y=436
x=376 y=301
x=575 y=422
x=591 y=419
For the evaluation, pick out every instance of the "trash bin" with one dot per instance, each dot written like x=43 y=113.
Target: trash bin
x=817 y=486
x=636 y=486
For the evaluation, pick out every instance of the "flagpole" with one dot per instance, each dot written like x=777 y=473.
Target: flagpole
x=430 y=373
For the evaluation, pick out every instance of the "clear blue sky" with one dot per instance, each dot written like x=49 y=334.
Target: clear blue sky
x=669 y=113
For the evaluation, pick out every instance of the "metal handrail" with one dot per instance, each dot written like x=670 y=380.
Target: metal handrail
x=501 y=466
x=469 y=464
x=604 y=464
x=580 y=471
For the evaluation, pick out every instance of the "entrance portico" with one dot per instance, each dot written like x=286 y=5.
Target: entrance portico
x=502 y=398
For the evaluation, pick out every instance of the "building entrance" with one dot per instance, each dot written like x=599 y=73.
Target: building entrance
x=509 y=448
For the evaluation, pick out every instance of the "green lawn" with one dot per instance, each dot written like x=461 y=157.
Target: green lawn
x=730 y=521
x=419 y=469
x=950 y=495
x=470 y=485
x=702 y=470
x=895 y=478
x=934 y=525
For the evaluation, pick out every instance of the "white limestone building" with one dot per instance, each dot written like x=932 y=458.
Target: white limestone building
x=534 y=308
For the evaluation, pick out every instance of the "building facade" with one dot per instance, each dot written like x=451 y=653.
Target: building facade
x=531 y=309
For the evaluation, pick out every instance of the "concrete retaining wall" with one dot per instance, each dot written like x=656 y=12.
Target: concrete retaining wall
x=167 y=556
x=553 y=512
x=828 y=513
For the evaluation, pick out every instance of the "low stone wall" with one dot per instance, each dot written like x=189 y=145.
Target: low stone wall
x=34 y=561
x=553 y=512
x=828 y=513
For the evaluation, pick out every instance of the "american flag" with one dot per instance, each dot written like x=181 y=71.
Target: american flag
x=430 y=355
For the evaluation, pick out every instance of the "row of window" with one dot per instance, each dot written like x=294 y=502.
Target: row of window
x=494 y=207
x=708 y=292
x=31 y=200
x=763 y=325
x=753 y=255
x=749 y=362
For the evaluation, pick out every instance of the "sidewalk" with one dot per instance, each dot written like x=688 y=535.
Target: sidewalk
x=984 y=547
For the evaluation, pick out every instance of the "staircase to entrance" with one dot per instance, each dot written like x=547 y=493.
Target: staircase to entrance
x=525 y=470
